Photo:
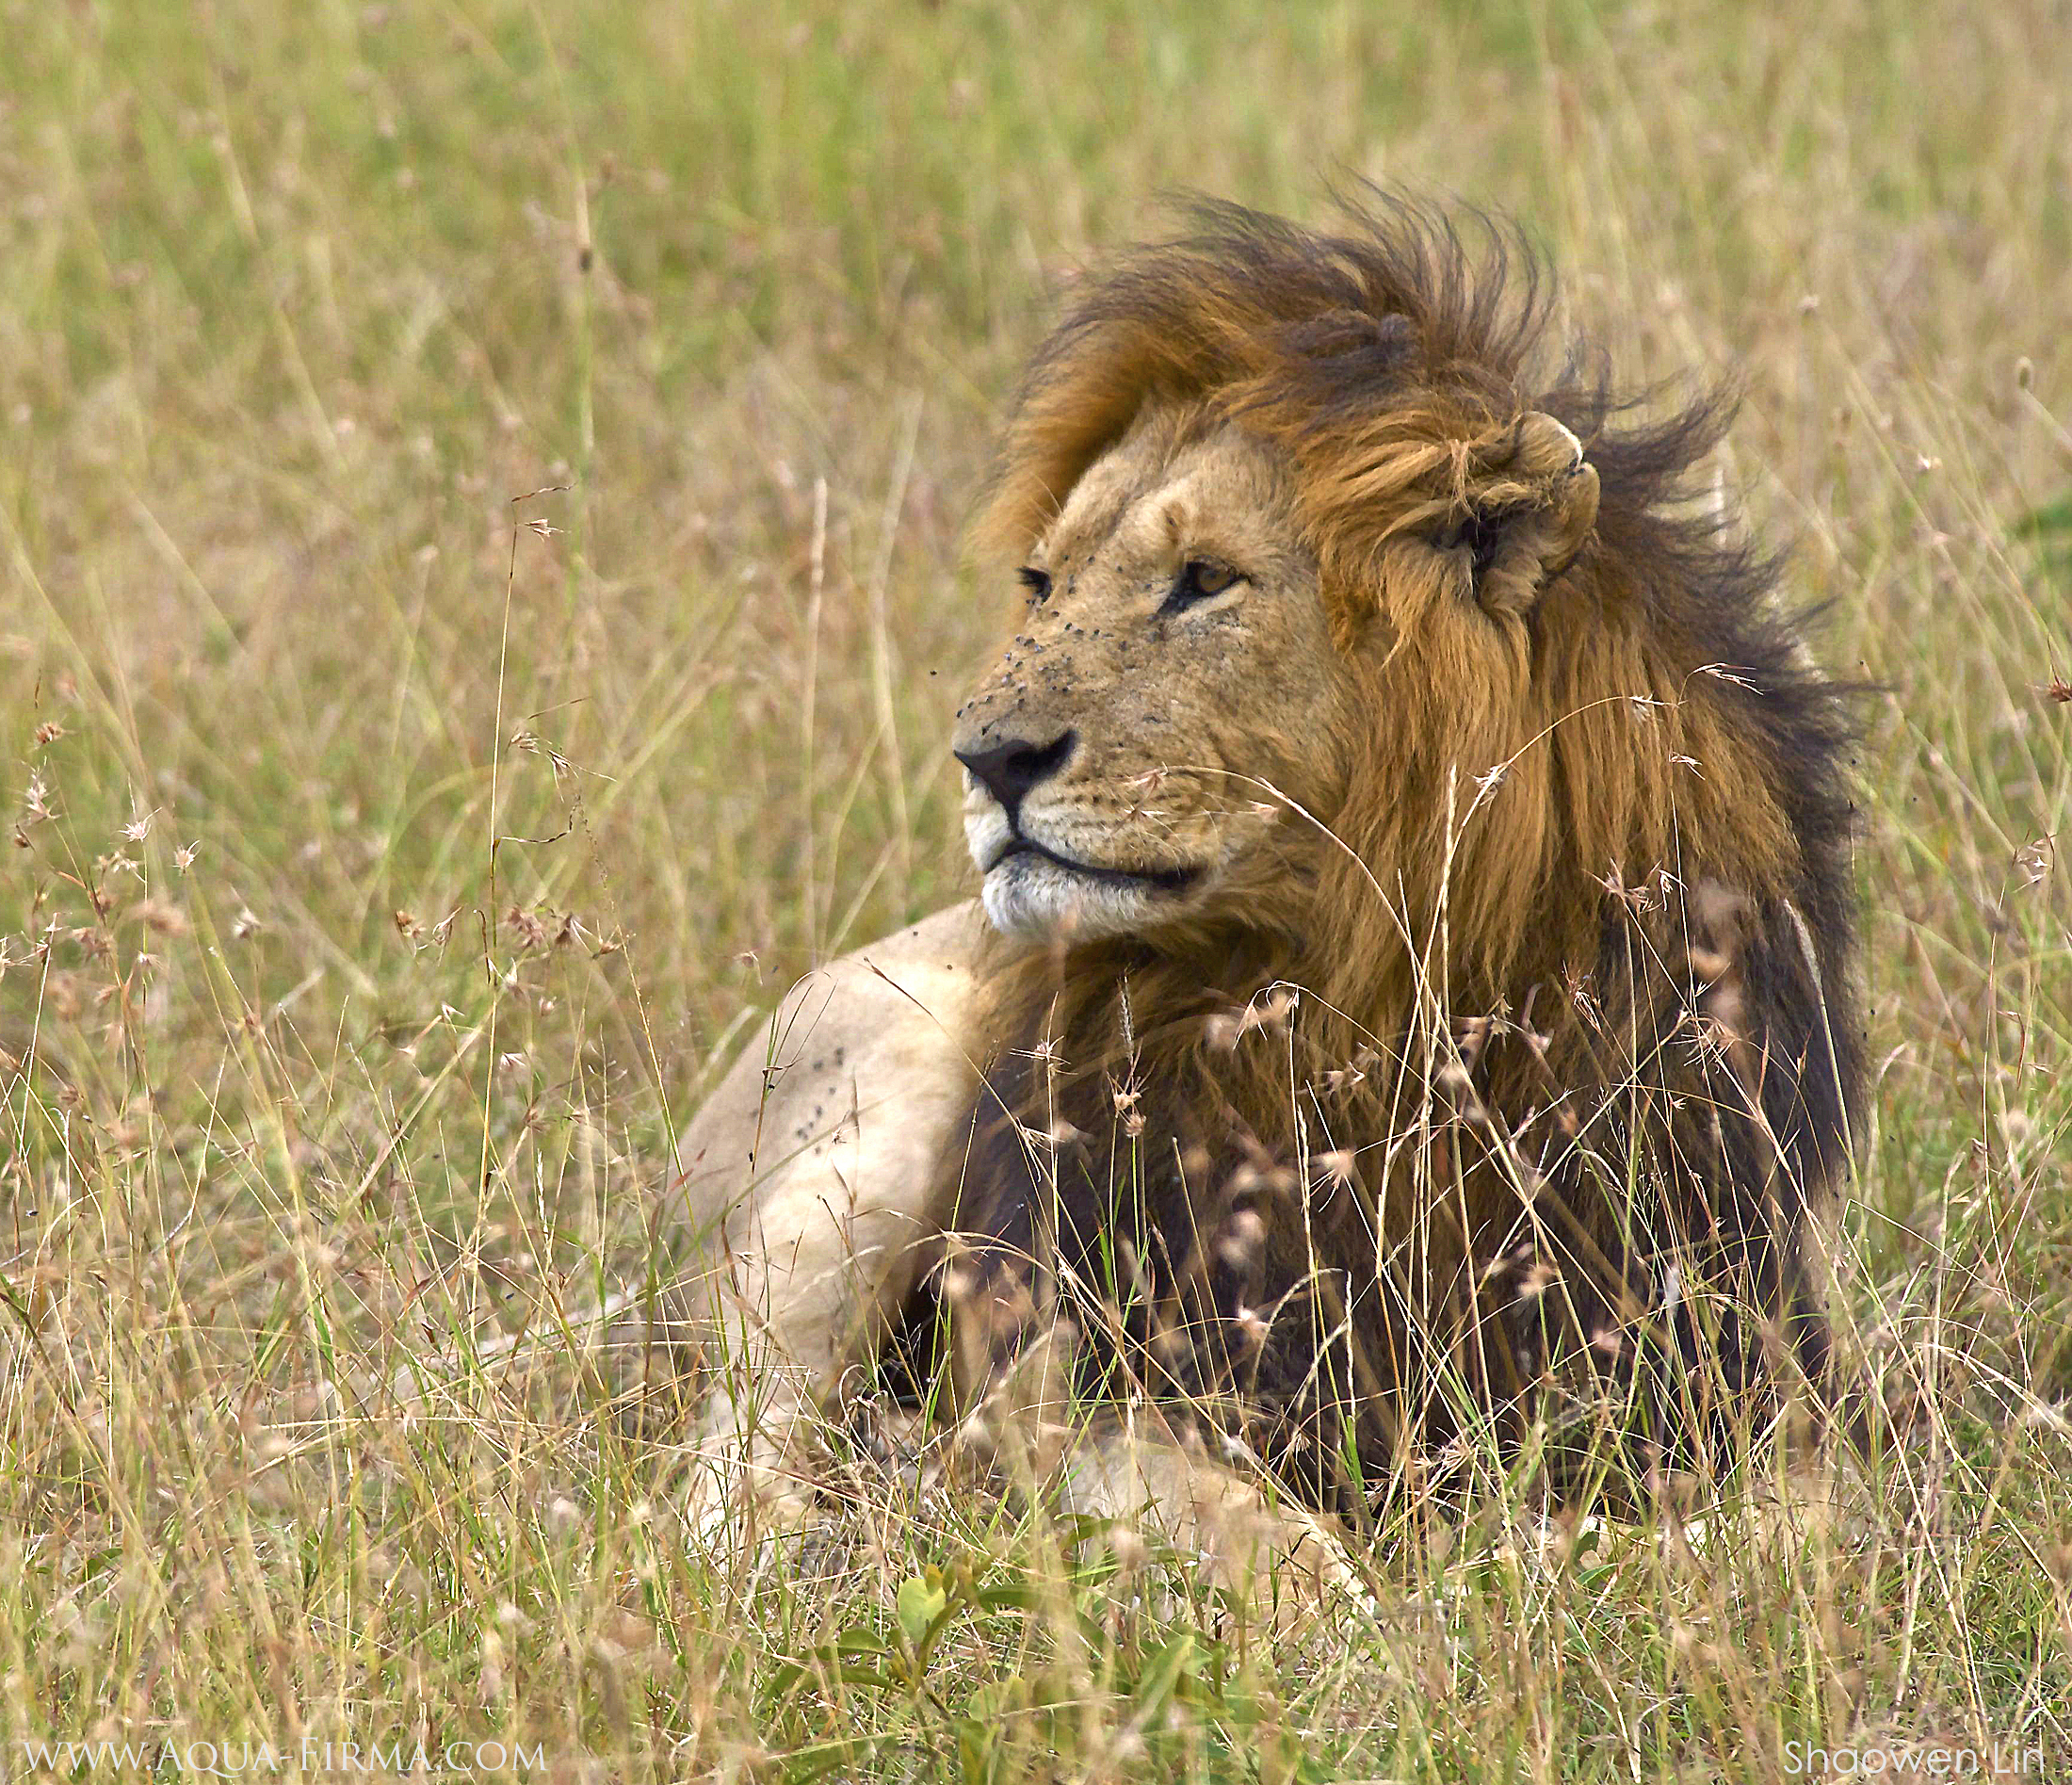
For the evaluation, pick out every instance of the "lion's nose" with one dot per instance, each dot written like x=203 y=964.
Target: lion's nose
x=1008 y=770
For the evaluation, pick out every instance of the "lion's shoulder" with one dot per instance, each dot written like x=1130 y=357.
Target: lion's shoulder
x=850 y=1089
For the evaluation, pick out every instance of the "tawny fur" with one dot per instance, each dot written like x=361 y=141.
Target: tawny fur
x=1430 y=979
x=1574 y=798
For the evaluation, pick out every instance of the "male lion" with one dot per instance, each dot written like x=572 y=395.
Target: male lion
x=1409 y=994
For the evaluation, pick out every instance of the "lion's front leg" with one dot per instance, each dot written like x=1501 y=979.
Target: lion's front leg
x=806 y=1185
x=1265 y=1550
x=1147 y=1469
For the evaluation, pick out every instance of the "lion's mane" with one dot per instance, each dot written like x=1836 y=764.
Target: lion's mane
x=1531 y=1072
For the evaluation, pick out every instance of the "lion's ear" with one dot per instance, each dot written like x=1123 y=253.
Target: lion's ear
x=1523 y=505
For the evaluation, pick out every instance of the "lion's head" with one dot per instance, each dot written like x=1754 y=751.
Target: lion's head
x=1324 y=589
x=1188 y=682
x=1373 y=657
x=1175 y=665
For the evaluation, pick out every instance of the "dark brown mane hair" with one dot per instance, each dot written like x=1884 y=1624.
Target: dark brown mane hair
x=1529 y=1078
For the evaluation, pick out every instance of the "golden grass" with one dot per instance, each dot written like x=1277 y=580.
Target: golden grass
x=392 y=859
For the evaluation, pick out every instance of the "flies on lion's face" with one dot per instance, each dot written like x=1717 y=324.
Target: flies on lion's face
x=1115 y=766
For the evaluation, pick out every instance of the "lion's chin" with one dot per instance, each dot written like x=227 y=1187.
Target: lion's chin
x=1038 y=900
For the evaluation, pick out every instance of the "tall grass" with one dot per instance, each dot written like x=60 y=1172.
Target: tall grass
x=393 y=850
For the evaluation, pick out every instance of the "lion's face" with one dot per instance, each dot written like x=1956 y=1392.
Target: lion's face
x=1132 y=757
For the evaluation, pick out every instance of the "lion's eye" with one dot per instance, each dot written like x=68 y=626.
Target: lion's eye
x=1036 y=582
x=1199 y=579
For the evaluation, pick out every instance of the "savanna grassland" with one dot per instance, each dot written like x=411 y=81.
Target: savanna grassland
x=480 y=607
